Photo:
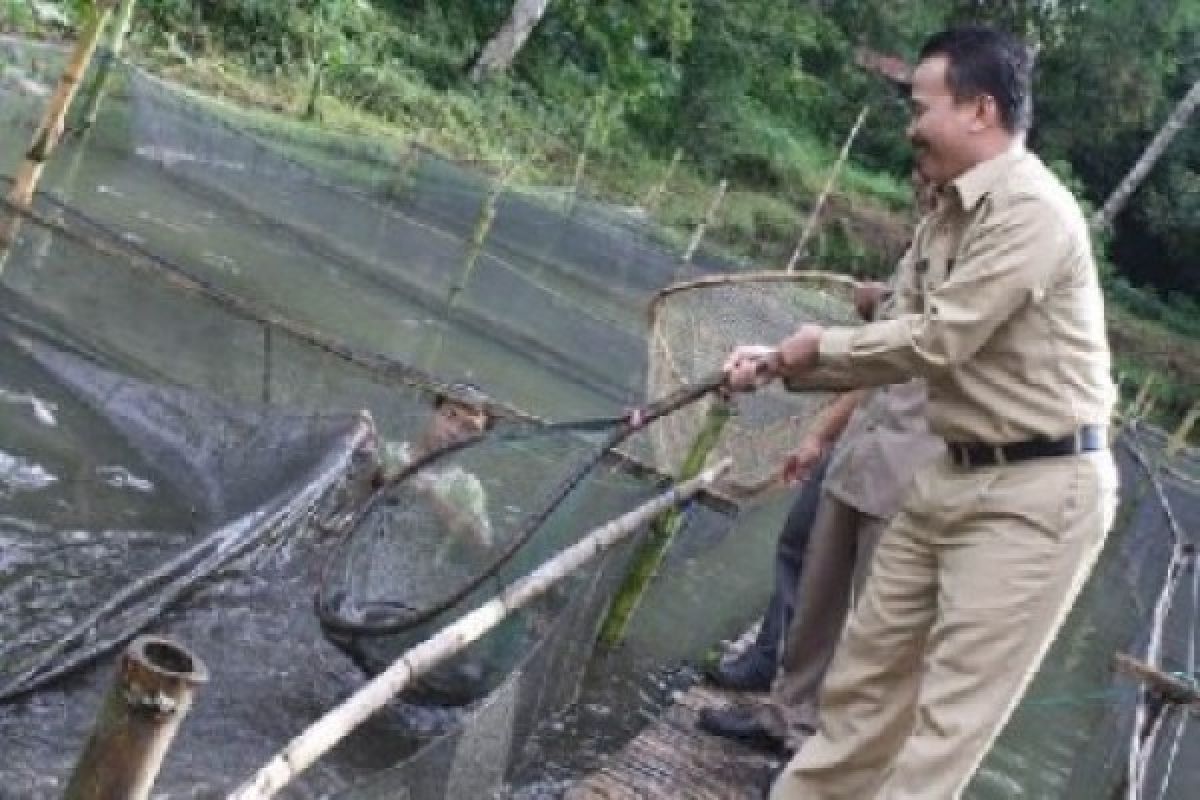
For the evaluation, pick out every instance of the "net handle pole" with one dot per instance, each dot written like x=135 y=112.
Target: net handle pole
x=336 y=724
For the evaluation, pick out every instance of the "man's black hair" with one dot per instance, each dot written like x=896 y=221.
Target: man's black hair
x=982 y=60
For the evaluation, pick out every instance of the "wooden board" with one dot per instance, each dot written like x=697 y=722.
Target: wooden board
x=673 y=759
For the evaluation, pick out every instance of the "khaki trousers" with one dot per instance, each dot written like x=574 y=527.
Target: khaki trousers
x=968 y=588
x=836 y=564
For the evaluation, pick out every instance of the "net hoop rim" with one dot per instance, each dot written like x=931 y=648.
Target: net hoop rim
x=812 y=277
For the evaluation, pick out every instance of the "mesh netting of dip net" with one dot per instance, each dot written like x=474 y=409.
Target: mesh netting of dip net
x=694 y=325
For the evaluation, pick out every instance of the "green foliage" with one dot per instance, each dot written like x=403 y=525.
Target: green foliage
x=17 y=15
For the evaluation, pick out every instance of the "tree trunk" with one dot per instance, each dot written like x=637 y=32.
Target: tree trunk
x=498 y=54
x=1103 y=218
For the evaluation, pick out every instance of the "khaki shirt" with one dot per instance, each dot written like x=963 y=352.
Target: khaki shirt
x=999 y=310
x=886 y=441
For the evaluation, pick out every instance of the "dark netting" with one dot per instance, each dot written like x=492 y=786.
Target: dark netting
x=1072 y=733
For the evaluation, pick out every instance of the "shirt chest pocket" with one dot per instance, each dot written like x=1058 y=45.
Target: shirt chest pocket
x=932 y=270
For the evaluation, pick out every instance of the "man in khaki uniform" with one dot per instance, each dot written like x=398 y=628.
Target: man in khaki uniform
x=1004 y=318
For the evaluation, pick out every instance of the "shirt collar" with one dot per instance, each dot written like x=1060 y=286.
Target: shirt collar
x=974 y=184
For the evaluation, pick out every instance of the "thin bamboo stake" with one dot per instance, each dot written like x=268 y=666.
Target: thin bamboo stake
x=648 y=558
x=709 y=218
x=1179 y=438
x=1172 y=688
x=48 y=134
x=810 y=227
x=650 y=202
x=326 y=732
x=1144 y=399
x=93 y=96
x=487 y=215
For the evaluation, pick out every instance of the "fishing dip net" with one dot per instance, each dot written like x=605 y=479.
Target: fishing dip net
x=694 y=325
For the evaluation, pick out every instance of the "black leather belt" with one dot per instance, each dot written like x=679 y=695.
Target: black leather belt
x=1087 y=439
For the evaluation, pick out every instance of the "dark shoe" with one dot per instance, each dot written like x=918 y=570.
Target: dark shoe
x=749 y=672
x=766 y=778
x=741 y=725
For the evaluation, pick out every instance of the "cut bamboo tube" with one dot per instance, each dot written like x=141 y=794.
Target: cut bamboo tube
x=326 y=732
x=49 y=132
x=150 y=697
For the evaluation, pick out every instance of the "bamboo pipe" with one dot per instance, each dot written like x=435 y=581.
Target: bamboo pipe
x=151 y=695
x=326 y=732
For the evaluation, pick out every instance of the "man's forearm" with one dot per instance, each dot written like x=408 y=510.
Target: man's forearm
x=837 y=416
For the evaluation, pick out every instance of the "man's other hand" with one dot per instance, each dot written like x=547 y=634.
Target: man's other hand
x=800 y=462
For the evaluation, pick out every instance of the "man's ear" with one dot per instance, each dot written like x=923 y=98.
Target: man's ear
x=986 y=113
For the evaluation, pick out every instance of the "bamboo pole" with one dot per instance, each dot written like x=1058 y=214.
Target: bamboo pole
x=151 y=695
x=483 y=225
x=1179 y=438
x=709 y=217
x=93 y=95
x=326 y=732
x=1173 y=688
x=1177 y=121
x=810 y=227
x=648 y=558
x=1144 y=398
x=49 y=132
x=650 y=202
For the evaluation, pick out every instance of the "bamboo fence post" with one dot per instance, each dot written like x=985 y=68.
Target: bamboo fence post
x=709 y=217
x=650 y=201
x=487 y=215
x=810 y=227
x=151 y=695
x=49 y=132
x=1172 y=688
x=326 y=732
x=1143 y=401
x=648 y=558
x=1179 y=438
x=93 y=96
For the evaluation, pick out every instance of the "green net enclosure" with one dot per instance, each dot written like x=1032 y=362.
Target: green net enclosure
x=194 y=329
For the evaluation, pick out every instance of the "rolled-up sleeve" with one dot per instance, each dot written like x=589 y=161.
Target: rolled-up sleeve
x=1007 y=261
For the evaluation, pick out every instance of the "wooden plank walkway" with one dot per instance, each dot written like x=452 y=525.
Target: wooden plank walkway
x=672 y=759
